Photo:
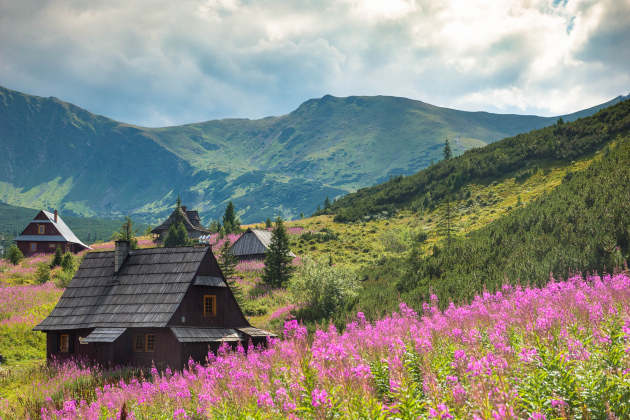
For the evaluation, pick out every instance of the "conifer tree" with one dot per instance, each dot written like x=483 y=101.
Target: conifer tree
x=177 y=235
x=231 y=223
x=327 y=203
x=126 y=233
x=56 y=261
x=447 y=153
x=15 y=255
x=268 y=223
x=278 y=262
x=227 y=262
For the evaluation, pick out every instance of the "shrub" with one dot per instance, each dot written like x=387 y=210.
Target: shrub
x=15 y=255
x=67 y=262
x=42 y=275
x=324 y=287
x=396 y=240
x=63 y=278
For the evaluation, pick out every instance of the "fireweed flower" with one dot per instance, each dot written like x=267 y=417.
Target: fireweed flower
x=464 y=360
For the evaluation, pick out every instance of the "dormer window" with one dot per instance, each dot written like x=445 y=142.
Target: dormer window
x=40 y=229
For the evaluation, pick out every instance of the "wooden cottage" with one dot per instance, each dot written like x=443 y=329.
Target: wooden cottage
x=45 y=233
x=192 y=222
x=252 y=245
x=139 y=307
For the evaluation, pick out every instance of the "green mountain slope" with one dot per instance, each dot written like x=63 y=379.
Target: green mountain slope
x=521 y=153
x=54 y=154
x=580 y=226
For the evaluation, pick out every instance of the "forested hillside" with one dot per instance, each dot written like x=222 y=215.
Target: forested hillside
x=580 y=227
x=520 y=154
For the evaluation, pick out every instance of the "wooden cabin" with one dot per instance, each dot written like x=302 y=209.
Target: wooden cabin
x=45 y=233
x=192 y=222
x=252 y=245
x=145 y=306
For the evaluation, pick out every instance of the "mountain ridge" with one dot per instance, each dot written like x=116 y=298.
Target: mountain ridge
x=56 y=154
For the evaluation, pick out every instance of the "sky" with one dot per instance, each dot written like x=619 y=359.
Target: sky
x=168 y=62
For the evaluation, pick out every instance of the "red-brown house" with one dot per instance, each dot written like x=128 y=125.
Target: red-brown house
x=45 y=233
x=139 y=307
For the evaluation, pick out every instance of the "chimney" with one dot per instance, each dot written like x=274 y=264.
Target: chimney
x=184 y=208
x=55 y=216
x=121 y=250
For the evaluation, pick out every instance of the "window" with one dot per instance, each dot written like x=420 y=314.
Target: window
x=143 y=343
x=64 y=343
x=150 y=343
x=209 y=305
x=40 y=229
x=33 y=246
x=51 y=245
x=138 y=342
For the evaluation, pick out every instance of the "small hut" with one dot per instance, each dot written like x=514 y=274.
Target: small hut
x=192 y=223
x=47 y=232
x=145 y=306
x=252 y=245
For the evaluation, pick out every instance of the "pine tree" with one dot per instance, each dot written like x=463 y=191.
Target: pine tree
x=447 y=153
x=231 y=223
x=67 y=262
x=227 y=262
x=56 y=261
x=301 y=215
x=177 y=235
x=560 y=121
x=126 y=233
x=327 y=203
x=15 y=255
x=268 y=223
x=278 y=262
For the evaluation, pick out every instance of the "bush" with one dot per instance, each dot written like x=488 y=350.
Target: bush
x=42 y=275
x=63 y=278
x=67 y=262
x=15 y=255
x=396 y=240
x=324 y=287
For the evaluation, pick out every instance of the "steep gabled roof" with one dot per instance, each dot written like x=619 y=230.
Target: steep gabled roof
x=253 y=242
x=145 y=292
x=65 y=234
x=187 y=223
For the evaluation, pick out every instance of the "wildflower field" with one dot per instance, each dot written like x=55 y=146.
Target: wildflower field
x=522 y=353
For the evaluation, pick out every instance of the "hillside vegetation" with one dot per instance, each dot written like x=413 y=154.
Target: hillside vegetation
x=523 y=155
x=56 y=155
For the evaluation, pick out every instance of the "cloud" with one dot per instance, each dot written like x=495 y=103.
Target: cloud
x=158 y=62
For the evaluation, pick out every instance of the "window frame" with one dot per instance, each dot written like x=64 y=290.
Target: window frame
x=213 y=298
x=67 y=342
x=33 y=247
x=135 y=343
x=51 y=245
x=146 y=343
x=41 y=229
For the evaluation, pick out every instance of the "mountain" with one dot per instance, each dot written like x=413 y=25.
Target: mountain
x=520 y=155
x=56 y=155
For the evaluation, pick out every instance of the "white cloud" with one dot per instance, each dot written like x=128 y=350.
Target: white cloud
x=157 y=62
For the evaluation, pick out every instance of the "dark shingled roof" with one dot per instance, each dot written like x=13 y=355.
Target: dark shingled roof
x=146 y=291
x=191 y=222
